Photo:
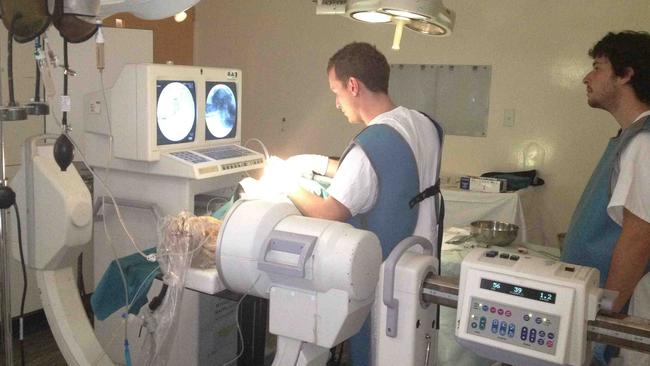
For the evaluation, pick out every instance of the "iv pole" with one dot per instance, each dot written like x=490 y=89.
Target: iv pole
x=7 y=331
x=11 y=112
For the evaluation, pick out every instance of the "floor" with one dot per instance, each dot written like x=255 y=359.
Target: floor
x=40 y=350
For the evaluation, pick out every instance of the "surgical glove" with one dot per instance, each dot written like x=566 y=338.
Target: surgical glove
x=313 y=187
x=255 y=189
x=307 y=164
x=279 y=176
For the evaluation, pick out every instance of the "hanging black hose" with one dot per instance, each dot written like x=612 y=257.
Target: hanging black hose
x=64 y=119
x=22 y=300
x=63 y=148
x=36 y=107
x=37 y=85
x=10 y=68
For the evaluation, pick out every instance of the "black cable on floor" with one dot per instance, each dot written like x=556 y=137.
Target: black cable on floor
x=22 y=300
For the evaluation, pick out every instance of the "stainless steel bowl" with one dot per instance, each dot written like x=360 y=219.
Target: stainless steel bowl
x=494 y=232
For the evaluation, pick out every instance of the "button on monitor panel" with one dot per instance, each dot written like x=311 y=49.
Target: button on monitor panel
x=189 y=156
x=514 y=325
x=225 y=152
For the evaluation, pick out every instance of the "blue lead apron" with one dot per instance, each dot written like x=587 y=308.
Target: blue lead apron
x=391 y=218
x=395 y=212
x=592 y=234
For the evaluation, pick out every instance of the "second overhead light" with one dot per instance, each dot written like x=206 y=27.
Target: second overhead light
x=428 y=17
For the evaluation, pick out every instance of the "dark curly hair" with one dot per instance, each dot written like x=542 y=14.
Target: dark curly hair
x=364 y=62
x=628 y=49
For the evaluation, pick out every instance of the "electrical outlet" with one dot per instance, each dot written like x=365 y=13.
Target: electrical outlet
x=95 y=107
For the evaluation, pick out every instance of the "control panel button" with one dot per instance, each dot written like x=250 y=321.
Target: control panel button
x=504 y=255
x=526 y=317
x=538 y=320
x=486 y=308
x=500 y=311
x=514 y=257
x=524 y=333
x=474 y=325
x=549 y=343
x=491 y=253
x=508 y=313
x=493 y=310
x=495 y=326
x=551 y=335
x=541 y=334
x=511 y=330
x=481 y=323
x=532 y=336
x=540 y=341
x=503 y=328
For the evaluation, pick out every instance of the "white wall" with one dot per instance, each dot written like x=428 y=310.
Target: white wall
x=537 y=49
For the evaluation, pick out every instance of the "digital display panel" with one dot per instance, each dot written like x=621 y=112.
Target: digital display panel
x=520 y=291
x=220 y=110
x=175 y=111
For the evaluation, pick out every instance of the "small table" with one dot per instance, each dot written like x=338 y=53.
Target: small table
x=519 y=207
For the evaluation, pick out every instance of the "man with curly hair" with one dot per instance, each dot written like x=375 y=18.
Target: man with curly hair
x=610 y=229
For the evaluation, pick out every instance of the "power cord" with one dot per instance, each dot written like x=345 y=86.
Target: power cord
x=24 y=295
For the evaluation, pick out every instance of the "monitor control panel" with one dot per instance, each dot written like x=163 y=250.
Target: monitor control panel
x=525 y=310
x=513 y=325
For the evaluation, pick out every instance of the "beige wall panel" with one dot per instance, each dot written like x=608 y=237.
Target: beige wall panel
x=538 y=53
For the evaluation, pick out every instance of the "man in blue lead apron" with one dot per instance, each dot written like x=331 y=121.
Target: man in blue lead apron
x=385 y=180
x=610 y=229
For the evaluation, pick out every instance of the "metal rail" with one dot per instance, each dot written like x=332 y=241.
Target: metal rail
x=614 y=329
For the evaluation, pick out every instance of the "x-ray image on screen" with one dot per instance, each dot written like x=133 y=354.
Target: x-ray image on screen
x=176 y=111
x=220 y=110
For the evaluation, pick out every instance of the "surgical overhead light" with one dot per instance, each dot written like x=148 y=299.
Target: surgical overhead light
x=145 y=9
x=371 y=17
x=428 y=17
x=75 y=19
x=25 y=19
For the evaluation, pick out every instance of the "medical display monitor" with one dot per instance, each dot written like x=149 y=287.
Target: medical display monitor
x=221 y=110
x=159 y=109
x=175 y=111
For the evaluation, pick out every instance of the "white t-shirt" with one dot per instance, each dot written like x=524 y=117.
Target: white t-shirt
x=355 y=182
x=632 y=189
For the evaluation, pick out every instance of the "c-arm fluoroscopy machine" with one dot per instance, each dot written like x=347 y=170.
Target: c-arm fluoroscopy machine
x=320 y=278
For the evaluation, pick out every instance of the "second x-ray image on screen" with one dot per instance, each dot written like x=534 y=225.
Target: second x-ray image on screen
x=175 y=111
x=220 y=110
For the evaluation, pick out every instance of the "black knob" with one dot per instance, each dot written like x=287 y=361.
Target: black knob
x=63 y=152
x=7 y=197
